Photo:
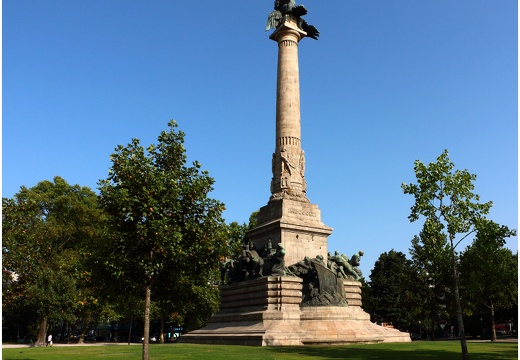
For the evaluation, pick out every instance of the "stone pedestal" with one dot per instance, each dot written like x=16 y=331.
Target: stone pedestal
x=267 y=312
x=260 y=312
x=353 y=291
x=332 y=325
x=296 y=225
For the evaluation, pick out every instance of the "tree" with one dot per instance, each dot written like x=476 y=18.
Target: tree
x=391 y=296
x=237 y=233
x=489 y=271
x=161 y=217
x=445 y=198
x=47 y=231
x=430 y=253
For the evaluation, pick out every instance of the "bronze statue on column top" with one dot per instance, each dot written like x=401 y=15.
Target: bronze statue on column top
x=283 y=8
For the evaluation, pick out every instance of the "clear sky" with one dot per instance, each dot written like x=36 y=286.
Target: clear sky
x=387 y=83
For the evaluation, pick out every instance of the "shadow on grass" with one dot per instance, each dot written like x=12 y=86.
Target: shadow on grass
x=383 y=352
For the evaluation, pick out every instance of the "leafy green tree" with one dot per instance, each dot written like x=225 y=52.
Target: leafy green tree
x=237 y=232
x=391 y=294
x=430 y=254
x=185 y=298
x=47 y=231
x=445 y=197
x=489 y=271
x=161 y=217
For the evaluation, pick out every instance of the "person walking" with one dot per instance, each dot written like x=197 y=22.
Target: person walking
x=49 y=340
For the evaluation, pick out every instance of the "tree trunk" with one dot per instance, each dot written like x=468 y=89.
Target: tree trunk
x=74 y=329
x=130 y=331
x=460 y=320
x=433 y=306
x=433 y=315
x=146 y=341
x=81 y=339
x=42 y=330
x=161 y=337
x=67 y=331
x=493 y=330
x=63 y=330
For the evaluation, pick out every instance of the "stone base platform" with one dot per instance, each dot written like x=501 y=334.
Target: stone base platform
x=260 y=312
x=267 y=312
x=329 y=325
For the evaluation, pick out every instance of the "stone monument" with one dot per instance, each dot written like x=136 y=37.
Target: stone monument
x=316 y=298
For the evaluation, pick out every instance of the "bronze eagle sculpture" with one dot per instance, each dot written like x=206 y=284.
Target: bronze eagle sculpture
x=284 y=7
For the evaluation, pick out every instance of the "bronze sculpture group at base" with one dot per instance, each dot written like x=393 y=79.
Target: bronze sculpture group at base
x=322 y=280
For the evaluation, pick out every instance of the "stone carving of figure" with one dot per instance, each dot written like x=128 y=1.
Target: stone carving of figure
x=285 y=182
x=302 y=163
x=288 y=164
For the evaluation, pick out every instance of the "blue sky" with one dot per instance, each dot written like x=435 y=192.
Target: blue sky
x=387 y=83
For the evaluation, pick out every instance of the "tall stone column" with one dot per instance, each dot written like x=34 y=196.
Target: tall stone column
x=289 y=218
x=288 y=159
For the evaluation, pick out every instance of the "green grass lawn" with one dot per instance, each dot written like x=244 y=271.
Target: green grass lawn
x=443 y=350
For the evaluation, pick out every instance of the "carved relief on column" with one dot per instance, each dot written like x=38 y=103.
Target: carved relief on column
x=288 y=166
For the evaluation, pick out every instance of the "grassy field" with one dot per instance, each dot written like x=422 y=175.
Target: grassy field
x=443 y=350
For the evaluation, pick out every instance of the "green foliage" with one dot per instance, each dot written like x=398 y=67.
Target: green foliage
x=445 y=197
x=238 y=233
x=166 y=231
x=391 y=297
x=489 y=272
x=431 y=255
x=185 y=298
x=47 y=232
x=159 y=210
